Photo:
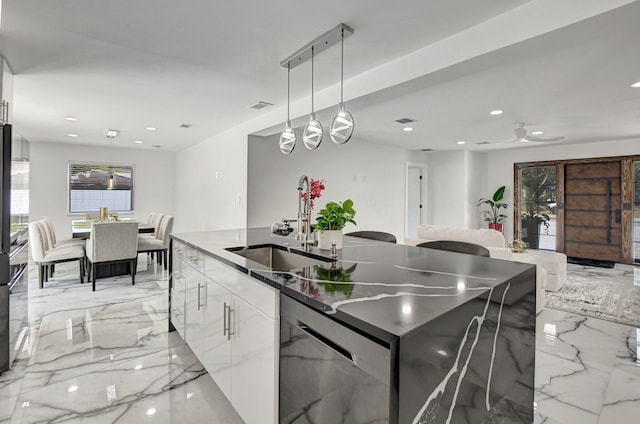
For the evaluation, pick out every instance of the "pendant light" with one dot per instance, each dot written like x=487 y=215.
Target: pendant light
x=342 y=124
x=288 y=136
x=312 y=134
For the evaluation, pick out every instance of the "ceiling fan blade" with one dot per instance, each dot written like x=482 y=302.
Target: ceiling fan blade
x=545 y=138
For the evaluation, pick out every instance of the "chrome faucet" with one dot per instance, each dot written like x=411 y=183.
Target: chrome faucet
x=304 y=215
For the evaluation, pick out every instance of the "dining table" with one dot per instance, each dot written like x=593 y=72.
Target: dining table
x=81 y=228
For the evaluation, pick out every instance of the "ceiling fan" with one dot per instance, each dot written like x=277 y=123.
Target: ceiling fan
x=523 y=136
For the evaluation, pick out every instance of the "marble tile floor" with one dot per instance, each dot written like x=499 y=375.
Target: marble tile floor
x=107 y=357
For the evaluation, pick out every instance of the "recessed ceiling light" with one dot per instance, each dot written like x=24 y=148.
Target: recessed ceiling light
x=151 y=411
x=151 y=128
x=72 y=135
x=496 y=112
x=407 y=129
x=636 y=84
x=72 y=389
x=71 y=118
x=405 y=120
x=537 y=133
x=462 y=142
x=138 y=141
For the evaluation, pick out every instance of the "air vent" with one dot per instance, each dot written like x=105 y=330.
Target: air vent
x=260 y=105
x=405 y=120
x=426 y=150
x=186 y=125
x=112 y=133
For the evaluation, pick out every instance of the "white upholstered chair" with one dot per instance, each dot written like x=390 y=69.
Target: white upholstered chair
x=45 y=254
x=160 y=243
x=112 y=242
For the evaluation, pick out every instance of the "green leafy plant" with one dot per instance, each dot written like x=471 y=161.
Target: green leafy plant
x=341 y=278
x=535 y=198
x=335 y=215
x=493 y=214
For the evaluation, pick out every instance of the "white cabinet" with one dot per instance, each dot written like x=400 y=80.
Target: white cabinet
x=252 y=333
x=178 y=289
x=230 y=322
x=195 y=310
x=254 y=384
x=216 y=355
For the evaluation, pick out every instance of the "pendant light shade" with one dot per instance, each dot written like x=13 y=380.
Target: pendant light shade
x=312 y=134
x=342 y=125
x=288 y=137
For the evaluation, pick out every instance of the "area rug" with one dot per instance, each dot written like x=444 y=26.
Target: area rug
x=599 y=298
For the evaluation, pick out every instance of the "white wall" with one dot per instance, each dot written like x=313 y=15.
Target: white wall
x=476 y=187
x=153 y=180
x=373 y=176
x=212 y=183
x=447 y=180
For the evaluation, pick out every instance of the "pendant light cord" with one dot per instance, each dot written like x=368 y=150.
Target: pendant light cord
x=288 y=88
x=312 y=56
x=342 y=69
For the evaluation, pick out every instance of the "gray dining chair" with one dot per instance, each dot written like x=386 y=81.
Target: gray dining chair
x=374 y=235
x=112 y=242
x=45 y=254
x=160 y=243
x=457 y=246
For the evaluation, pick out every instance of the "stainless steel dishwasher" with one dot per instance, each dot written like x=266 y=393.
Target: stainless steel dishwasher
x=329 y=374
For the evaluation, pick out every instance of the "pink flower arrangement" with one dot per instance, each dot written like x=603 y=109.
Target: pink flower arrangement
x=317 y=186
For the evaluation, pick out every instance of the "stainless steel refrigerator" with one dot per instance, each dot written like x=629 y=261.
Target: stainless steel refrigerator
x=13 y=254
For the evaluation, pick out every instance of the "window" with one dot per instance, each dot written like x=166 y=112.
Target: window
x=19 y=191
x=92 y=186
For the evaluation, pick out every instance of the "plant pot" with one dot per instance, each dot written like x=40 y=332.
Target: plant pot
x=326 y=237
x=531 y=233
x=497 y=227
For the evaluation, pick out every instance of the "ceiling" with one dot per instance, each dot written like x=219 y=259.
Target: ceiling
x=130 y=65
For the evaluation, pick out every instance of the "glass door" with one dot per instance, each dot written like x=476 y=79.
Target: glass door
x=636 y=212
x=537 y=207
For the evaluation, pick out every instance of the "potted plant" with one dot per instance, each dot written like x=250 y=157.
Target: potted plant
x=534 y=211
x=493 y=215
x=330 y=222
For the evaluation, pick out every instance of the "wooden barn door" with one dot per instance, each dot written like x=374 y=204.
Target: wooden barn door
x=592 y=211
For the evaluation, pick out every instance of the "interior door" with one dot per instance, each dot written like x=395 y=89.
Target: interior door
x=592 y=215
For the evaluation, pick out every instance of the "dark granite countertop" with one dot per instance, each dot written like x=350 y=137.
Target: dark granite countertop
x=383 y=289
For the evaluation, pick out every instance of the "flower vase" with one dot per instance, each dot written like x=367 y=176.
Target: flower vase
x=497 y=227
x=326 y=237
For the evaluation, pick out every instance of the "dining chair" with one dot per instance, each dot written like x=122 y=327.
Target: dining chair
x=374 y=235
x=457 y=246
x=45 y=254
x=154 y=221
x=160 y=243
x=112 y=242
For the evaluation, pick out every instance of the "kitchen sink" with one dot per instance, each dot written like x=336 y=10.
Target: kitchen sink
x=277 y=258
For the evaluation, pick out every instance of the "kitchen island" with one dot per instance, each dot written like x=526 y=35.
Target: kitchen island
x=383 y=333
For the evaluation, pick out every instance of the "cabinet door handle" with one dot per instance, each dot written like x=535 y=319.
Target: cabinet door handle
x=224 y=318
x=199 y=304
x=229 y=332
